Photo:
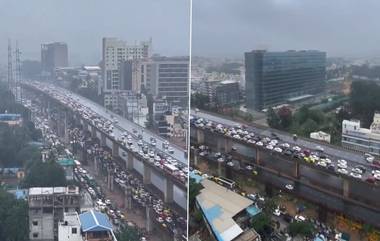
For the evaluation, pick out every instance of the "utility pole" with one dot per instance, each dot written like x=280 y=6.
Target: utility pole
x=10 y=69
x=18 y=74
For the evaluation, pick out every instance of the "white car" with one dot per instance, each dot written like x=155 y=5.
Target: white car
x=289 y=187
x=277 y=212
x=259 y=143
x=231 y=164
x=300 y=218
x=342 y=171
x=370 y=159
x=322 y=163
x=356 y=175
x=269 y=147
x=278 y=149
x=342 y=165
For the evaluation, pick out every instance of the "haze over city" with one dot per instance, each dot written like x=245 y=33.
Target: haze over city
x=83 y=24
x=341 y=28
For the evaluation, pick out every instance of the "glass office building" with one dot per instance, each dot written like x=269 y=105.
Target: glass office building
x=272 y=78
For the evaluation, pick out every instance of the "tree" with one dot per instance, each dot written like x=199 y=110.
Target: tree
x=194 y=190
x=14 y=225
x=199 y=100
x=309 y=126
x=272 y=119
x=285 y=115
x=305 y=229
x=270 y=205
x=128 y=234
x=47 y=174
x=262 y=223
x=364 y=100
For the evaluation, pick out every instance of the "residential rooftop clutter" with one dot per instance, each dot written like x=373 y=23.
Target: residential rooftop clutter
x=88 y=226
x=225 y=212
x=46 y=208
x=355 y=137
x=11 y=119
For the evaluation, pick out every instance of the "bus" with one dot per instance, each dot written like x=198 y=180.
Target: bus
x=170 y=168
x=226 y=182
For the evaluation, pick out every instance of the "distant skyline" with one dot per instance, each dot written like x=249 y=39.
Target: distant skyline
x=342 y=28
x=83 y=24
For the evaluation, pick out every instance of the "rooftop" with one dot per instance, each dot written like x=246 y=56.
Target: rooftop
x=66 y=162
x=53 y=190
x=94 y=221
x=219 y=206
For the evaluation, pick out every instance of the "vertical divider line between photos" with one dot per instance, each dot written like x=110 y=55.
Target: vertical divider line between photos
x=189 y=111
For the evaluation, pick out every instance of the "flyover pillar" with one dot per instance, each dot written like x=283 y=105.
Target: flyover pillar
x=110 y=179
x=129 y=163
x=103 y=139
x=227 y=145
x=220 y=168
x=115 y=149
x=297 y=170
x=346 y=188
x=195 y=157
x=200 y=137
x=148 y=219
x=65 y=128
x=128 y=198
x=93 y=131
x=169 y=189
x=257 y=156
x=96 y=168
x=147 y=175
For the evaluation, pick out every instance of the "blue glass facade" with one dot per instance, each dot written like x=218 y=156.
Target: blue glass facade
x=274 y=77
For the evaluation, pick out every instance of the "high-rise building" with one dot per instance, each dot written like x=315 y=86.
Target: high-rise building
x=272 y=78
x=115 y=54
x=53 y=55
x=167 y=77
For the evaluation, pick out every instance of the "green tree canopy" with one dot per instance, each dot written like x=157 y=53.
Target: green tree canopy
x=14 y=224
x=194 y=189
x=365 y=100
x=262 y=223
x=48 y=174
x=305 y=229
x=273 y=119
x=128 y=234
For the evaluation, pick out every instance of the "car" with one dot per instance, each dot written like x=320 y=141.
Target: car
x=356 y=175
x=300 y=218
x=370 y=159
x=231 y=164
x=249 y=168
x=342 y=171
x=277 y=212
x=252 y=196
x=289 y=187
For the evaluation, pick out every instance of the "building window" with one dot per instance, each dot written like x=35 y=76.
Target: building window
x=35 y=223
x=35 y=235
x=73 y=230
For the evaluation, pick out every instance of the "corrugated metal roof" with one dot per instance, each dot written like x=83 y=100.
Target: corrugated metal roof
x=94 y=221
x=220 y=205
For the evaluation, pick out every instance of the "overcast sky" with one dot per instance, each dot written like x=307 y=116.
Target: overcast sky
x=83 y=23
x=228 y=28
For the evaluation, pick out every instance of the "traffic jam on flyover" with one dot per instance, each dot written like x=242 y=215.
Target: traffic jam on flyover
x=163 y=215
x=369 y=172
x=166 y=218
x=161 y=158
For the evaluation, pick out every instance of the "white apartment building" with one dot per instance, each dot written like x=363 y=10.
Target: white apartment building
x=114 y=53
x=361 y=139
